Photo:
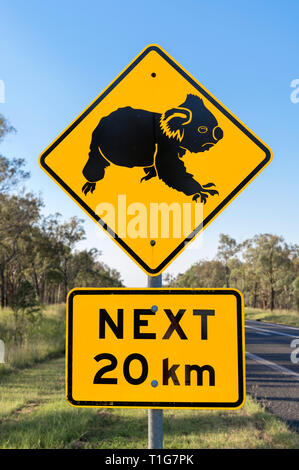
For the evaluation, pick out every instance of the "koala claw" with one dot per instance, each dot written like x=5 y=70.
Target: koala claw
x=212 y=192
x=88 y=187
x=203 y=197
x=204 y=193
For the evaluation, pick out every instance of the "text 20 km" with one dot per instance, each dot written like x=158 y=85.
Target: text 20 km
x=191 y=372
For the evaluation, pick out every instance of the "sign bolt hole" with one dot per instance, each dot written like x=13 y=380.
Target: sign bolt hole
x=153 y=74
x=153 y=242
x=154 y=383
x=154 y=308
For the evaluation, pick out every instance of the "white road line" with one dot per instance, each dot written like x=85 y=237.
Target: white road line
x=272 y=365
x=277 y=325
x=257 y=330
x=272 y=332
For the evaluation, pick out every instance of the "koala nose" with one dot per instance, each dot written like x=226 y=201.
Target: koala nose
x=217 y=133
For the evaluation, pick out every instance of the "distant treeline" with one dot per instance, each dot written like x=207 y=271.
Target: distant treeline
x=264 y=268
x=40 y=251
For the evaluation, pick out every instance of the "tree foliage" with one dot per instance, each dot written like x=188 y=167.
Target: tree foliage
x=264 y=268
x=26 y=309
x=5 y=127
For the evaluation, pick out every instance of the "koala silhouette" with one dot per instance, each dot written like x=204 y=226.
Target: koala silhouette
x=156 y=142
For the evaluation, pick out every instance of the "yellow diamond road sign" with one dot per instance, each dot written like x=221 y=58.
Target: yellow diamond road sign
x=155 y=348
x=154 y=158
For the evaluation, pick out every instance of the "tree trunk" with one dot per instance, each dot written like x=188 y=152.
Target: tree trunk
x=36 y=281
x=65 y=288
x=272 y=299
x=58 y=294
x=42 y=288
x=264 y=301
x=65 y=280
x=255 y=295
x=227 y=276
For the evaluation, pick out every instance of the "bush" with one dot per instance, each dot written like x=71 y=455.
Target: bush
x=26 y=310
x=43 y=340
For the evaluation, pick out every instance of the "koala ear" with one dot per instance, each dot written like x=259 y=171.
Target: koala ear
x=173 y=120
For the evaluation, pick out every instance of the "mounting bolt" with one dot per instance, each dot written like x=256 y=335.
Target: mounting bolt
x=153 y=242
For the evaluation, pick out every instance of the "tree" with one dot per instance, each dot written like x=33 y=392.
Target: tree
x=11 y=171
x=266 y=271
x=68 y=234
x=227 y=249
x=38 y=258
x=5 y=127
x=295 y=292
x=11 y=207
x=17 y=214
x=269 y=256
x=201 y=274
x=89 y=272
x=25 y=308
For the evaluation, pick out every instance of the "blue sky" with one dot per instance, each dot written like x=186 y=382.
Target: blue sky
x=57 y=56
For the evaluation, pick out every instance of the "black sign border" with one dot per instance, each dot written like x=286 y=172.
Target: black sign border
x=83 y=204
x=166 y=405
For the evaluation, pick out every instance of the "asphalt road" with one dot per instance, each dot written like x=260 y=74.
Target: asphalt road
x=272 y=368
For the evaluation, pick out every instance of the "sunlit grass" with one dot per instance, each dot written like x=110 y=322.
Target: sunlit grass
x=34 y=414
x=285 y=317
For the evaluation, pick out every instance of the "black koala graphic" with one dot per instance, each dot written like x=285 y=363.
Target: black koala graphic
x=156 y=142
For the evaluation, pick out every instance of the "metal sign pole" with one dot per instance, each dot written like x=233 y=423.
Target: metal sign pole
x=155 y=417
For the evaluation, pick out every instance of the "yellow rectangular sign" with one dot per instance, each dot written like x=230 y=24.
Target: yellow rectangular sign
x=155 y=348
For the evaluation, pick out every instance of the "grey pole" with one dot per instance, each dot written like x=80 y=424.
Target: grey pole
x=155 y=417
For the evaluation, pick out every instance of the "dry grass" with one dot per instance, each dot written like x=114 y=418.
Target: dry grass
x=285 y=317
x=45 y=339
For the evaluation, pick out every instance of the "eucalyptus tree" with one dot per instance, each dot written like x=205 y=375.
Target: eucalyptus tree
x=269 y=257
x=227 y=249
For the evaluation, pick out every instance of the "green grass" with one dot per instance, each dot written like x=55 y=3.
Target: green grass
x=285 y=317
x=43 y=340
x=34 y=414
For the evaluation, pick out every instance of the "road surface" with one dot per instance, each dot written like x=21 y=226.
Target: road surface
x=272 y=368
